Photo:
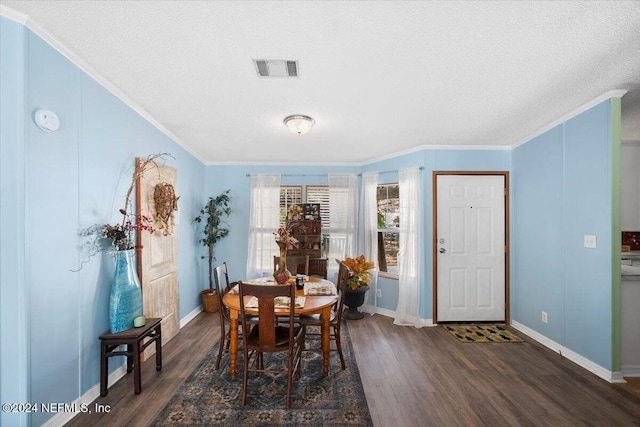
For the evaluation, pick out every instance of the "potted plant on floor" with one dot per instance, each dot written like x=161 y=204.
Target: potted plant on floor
x=213 y=214
x=357 y=285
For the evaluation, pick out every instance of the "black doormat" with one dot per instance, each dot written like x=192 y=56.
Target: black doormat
x=211 y=398
x=482 y=333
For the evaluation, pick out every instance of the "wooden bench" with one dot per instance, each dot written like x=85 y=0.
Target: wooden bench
x=133 y=338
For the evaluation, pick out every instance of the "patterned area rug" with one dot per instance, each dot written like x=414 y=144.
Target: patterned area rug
x=482 y=333
x=211 y=398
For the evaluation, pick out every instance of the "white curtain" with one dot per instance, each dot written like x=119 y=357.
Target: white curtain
x=342 y=219
x=264 y=220
x=369 y=234
x=409 y=255
x=369 y=227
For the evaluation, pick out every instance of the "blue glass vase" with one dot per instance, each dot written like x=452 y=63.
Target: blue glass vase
x=125 y=302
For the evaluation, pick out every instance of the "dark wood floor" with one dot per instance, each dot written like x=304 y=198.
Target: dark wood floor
x=413 y=377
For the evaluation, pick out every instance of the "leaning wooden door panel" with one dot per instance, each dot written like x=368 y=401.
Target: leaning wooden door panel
x=160 y=285
x=159 y=258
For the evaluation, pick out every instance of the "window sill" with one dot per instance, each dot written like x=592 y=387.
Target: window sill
x=388 y=275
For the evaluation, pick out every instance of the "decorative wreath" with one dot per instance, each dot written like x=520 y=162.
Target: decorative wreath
x=166 y=202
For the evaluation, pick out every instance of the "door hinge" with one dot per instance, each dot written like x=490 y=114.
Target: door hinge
x=505 y=191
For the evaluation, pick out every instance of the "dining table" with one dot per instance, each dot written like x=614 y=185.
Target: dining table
x=319 y=296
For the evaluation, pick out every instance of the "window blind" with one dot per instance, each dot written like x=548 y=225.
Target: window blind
x=320 y=194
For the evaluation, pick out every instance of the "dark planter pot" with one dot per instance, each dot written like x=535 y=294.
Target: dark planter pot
x=354 y=299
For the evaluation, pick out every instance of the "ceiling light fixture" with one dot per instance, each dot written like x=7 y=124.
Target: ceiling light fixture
x=299 y=124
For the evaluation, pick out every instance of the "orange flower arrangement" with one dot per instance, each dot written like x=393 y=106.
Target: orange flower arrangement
x=359 y=268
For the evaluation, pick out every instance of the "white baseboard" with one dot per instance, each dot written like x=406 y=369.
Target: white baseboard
x=94 y=392
x=370 y=309
x=189 y=317
x=605 y=374
x=390 y=313
x=84 y=401
x=631 y=370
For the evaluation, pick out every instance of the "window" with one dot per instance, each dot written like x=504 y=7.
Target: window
x=388 y=198
x=289 y=195
x=292 y=195
x=320 y=194
x=264 y=219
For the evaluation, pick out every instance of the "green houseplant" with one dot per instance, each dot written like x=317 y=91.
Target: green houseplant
x=213 y=214
x=357 y=285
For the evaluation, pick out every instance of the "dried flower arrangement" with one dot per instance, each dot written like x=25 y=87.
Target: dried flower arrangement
x=120 y=234
x=283 y=235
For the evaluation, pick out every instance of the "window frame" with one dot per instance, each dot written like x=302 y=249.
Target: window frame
x=395 y=230
x=324 y=214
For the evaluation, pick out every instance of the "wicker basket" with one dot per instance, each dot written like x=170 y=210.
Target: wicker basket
x=209 y=301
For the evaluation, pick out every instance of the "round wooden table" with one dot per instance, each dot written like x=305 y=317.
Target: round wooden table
x=314 y=304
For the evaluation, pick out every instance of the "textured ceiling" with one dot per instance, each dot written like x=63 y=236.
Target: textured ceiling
x=378 y=77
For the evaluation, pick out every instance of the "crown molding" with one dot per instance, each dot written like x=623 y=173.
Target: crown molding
x=616 y=93
x=433 y=147
x=14 y=15
x=292 y=163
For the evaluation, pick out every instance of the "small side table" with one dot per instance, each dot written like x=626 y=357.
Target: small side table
x=133 y=339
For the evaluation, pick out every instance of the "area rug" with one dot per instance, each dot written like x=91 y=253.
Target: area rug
x=211 y=398
x=482 y=333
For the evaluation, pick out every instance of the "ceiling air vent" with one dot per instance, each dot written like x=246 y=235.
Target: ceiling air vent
x=276 y=67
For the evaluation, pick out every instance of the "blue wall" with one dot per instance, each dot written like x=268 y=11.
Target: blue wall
x=73 y=178
x=538 y=268
x=51 y=215
x=13 y=292
x=562 y=191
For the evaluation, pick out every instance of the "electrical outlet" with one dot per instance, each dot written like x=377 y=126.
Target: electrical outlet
x=545 y=318
x=589 y=241
x=379 y=293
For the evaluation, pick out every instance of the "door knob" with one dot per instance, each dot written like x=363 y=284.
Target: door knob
x=442 y=250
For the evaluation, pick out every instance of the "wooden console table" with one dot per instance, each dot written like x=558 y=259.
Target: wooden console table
x=133 y=338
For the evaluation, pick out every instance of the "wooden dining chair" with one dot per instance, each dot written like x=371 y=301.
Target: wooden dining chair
x=335 y=321
x=297 y=264
x=267 y=336
x=223 y=285
x=221 y=280
x=318 y=267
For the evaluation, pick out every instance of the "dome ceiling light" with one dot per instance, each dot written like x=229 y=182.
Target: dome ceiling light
x=299 y=124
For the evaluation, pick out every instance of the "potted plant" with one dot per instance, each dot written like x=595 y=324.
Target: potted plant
x=213 y=214
x=357 y=285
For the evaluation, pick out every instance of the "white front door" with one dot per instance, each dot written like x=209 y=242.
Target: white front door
x=470 y=247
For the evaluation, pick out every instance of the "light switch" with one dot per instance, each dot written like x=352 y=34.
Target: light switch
x=589 y=241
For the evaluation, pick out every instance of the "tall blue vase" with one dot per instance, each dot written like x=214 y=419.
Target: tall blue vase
x=126 y=296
